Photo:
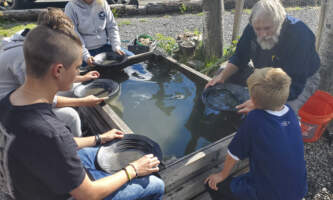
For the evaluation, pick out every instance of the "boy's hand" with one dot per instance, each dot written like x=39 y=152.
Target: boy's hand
x=246 y=107
x=91 y=100
x=110 y=135
x=91 y=75
x=213 y=180
x=90 y=61
x=120 y=52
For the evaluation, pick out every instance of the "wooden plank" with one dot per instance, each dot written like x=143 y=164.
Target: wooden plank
x=195 y=186
x=192 y=73
x=120 y=9
x=195 y=163
x=203 y=196
x=237 y=19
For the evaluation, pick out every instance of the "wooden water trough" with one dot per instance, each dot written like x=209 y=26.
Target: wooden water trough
x=183 y=177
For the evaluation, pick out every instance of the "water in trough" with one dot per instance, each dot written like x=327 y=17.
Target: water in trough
x=164 y=104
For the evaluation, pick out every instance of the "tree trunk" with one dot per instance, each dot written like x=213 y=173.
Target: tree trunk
x=326 y=52
x=213 y=28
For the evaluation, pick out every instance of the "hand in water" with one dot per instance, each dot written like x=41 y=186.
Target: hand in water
x=214 y=81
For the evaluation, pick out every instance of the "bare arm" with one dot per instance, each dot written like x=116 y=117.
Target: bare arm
x=91 y=140
x=214 y=179
x=75 y=102
x=88 y=76
x=224 y=75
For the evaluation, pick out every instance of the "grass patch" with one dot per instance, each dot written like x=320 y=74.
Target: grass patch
x=201 y=14
x=143 y=20
x=168 y=44
x=125 y=22
x=8 y=28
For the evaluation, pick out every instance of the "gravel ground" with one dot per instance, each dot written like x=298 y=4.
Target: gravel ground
x=318 y=155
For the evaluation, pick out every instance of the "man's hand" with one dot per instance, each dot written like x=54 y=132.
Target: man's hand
x=90 y=61
x=111 y=135
x=120 y=52
x=213 y=180
x=246 y=107
x=91 y=100
x=214 y=81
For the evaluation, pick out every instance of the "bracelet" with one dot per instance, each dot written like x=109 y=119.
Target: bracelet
x=128 y=175
x=98 y=140
x=132 y=165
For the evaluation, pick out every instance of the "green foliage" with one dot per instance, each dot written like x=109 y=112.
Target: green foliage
x=201 y=14
x=125 y=22
x=213 y=65
x=8 y=28
x=182 y=8
x=168 y=44
x=115 y=12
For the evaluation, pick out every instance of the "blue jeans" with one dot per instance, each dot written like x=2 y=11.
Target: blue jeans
x=143 y=188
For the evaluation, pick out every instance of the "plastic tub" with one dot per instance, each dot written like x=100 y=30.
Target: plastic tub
x=315 y=115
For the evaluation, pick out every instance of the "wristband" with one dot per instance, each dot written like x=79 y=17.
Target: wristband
x=98 y=140
x=136 y=172
x=128 y=175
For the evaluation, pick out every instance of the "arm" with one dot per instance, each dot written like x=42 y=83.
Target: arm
x=112 y=29
x=214 y=179
x=224 y=75
x=240 y=58
x=103 y=187
x=90 y=100
x=88 y=76
x=69 y=11
x=105 y=137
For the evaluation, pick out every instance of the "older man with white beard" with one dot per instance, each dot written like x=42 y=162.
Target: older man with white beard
x=274 y=39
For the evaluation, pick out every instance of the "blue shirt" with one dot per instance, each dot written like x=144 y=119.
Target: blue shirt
x=274 y=147
x=295 y=53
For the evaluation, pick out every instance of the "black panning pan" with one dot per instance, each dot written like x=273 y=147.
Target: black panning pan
x=117 y=154
x=224 y=97
x=98 y=88
x=110 y=61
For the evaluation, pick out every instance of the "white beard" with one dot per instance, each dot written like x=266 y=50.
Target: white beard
x=268 y=43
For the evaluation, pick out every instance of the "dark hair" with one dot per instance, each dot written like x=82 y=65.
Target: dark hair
x=45 y=46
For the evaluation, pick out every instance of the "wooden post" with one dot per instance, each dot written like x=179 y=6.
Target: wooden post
x=326 y=52
x=237 y=18
x=213 y=28
x=323 y=11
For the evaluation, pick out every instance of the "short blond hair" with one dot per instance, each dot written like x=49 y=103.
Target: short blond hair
x=269 y=87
